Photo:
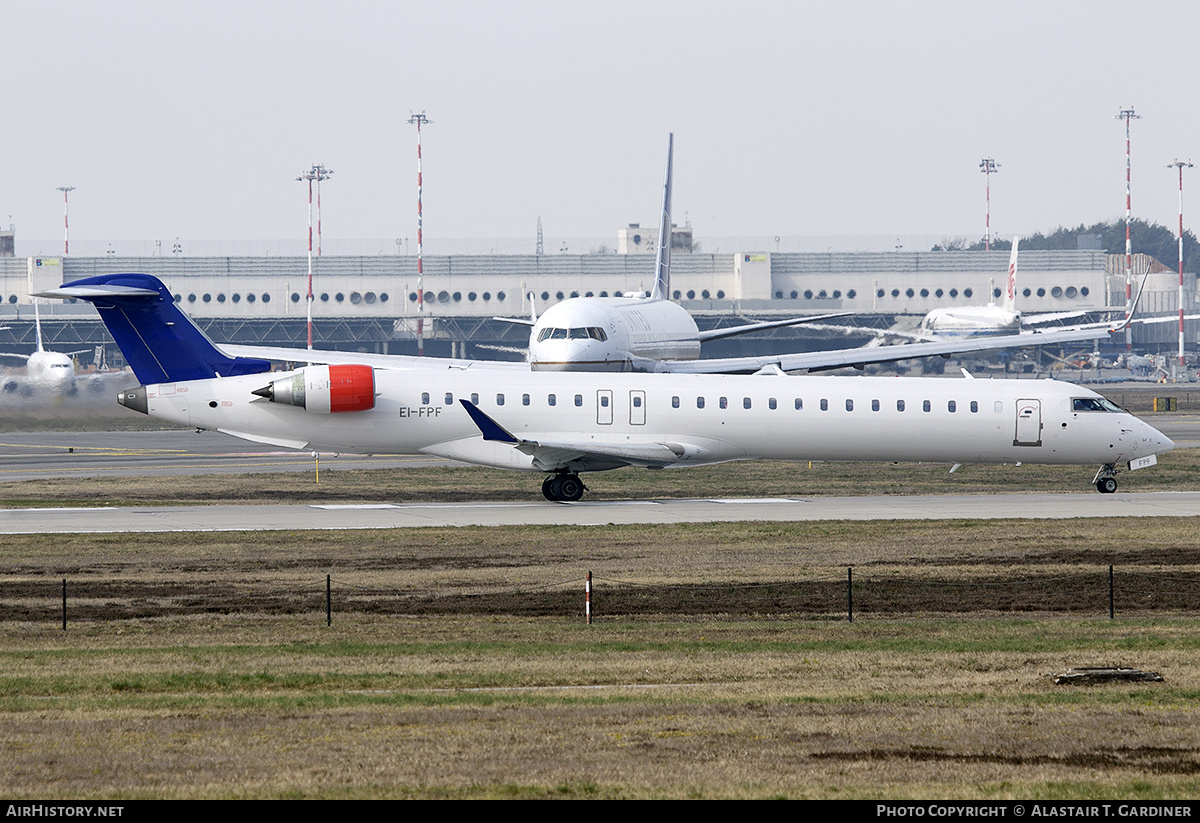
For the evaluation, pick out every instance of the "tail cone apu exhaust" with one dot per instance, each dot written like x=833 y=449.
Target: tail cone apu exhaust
x=134 y=399
x=324 y=389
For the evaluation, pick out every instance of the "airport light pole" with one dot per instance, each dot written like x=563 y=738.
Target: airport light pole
x=1127 y=115
x=321 y=173
x=66 y=222
x=989 y=167
x=1180 y=165
x=419 y=120
x=309 y=176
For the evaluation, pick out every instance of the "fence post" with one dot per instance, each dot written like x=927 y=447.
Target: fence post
x=849 y=594
x=1110 y=591
x=328 y=603
x=587 y=597
x=64 y=604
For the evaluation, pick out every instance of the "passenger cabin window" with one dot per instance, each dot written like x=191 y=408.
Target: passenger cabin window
x=899 y=405
x=449 y=399
x=551 y=400
x=771 y=404
x=604 y=400
x=424 y=398
x=849 y=405
x=474 y=398
x=874 y=405
x=675 y=402
x=524 y=400
x=699 y=402
x=500 y=400
x=951 y=406
x=723 y=402
x=824 y=404
x=745 y=402
x=999 y=407
x=974 y=407
x=926 y=406
x=799 y=404
x=579 y=400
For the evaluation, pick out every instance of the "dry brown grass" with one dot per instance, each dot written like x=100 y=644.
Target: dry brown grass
x=230 y=685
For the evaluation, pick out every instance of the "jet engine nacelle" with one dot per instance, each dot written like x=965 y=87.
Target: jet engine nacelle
x=325 y=389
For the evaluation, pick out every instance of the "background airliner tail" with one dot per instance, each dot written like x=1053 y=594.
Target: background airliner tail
x=662 y=266
x=159 y=341
x=1010 y=290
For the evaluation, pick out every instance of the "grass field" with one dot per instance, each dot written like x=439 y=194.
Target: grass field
x=458 y=664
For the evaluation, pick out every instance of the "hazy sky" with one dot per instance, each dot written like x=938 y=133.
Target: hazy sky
x=790 y=118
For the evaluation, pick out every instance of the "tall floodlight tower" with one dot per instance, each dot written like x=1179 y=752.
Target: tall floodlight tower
x=1127 y=115
x=320 y=173
x=309 y=176
x=1181 y=165
x=66 y=221
x=989 y=167
x=420 y=120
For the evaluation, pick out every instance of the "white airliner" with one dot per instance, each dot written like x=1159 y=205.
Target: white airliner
x=970 y=321
x=45 y=371
x=639 y=332
x=566 y=423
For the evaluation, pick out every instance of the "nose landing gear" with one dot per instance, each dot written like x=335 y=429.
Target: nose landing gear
x=1106 y=479
x=563 y=488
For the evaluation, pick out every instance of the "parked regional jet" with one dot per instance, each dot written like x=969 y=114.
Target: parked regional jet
x=566 y=423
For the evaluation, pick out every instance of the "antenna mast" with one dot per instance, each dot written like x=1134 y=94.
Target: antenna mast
x=1181 y=165
x=66 y=222
x=419 y=120
x=1127 y=115
x=989 y=167
x=309 y=176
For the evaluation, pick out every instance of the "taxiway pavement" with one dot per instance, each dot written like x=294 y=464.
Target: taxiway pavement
x=594 y=513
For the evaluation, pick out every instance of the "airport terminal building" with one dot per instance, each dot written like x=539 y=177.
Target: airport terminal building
x=370 y=303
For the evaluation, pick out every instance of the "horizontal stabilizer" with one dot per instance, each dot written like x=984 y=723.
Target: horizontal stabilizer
x=159 y=341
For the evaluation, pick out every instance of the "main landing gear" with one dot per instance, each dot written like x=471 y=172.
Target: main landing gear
x=563 y=488
x=1106 y=479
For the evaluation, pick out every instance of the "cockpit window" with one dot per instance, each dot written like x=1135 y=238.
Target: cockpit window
x=558 y=334
x=579 y=334
x=597 y=333
x=1089 y=404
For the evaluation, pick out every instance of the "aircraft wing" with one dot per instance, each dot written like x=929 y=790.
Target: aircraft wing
x=1030 y=319
x=549 y=455
x=733 y=331
x=859 y=357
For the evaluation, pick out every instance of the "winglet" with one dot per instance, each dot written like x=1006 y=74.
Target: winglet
x=1133 y=308
x=662 y=266
x=489 y=428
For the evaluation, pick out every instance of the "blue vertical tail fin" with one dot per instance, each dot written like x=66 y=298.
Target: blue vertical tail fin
x=159 y=341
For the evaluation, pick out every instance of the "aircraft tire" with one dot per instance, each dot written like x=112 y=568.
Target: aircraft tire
x=1106 y=485
x=548 y=488
x=570 y=487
